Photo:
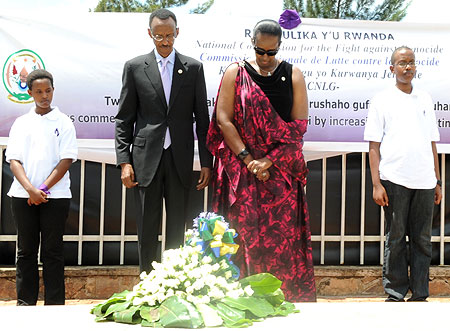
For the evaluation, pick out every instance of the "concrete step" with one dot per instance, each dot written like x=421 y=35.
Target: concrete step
x=100 y=282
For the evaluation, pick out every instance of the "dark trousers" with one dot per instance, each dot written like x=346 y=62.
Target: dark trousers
x=43 y=224
x=149 y=200
x=410 y=212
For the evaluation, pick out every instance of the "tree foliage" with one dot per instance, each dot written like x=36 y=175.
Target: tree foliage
x=136 y=6
x=119 y=6
x=201 y=9
x=156 y=4
x=388 y=10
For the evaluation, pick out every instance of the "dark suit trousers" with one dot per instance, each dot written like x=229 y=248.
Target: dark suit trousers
x=167 y=184
x=44 y=223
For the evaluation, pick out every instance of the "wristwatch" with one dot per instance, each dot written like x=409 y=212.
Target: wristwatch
x=439 y=182
x=243 y=154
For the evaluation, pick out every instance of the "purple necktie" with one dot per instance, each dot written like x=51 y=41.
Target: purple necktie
x=165 y=78
x=167 y=83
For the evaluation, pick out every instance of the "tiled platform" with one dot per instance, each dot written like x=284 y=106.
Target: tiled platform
x=336 y=316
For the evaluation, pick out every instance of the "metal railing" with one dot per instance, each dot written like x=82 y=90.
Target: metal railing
x=321 y=237
x=342 y=238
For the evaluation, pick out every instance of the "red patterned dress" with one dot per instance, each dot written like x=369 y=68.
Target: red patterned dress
x=270 y=217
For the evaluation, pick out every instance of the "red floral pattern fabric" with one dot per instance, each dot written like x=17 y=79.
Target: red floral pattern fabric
x=270 y=217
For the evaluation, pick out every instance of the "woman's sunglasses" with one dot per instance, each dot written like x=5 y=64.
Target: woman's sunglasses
x=261 y=51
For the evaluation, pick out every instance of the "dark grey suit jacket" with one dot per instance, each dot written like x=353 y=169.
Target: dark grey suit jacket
x=143 y=117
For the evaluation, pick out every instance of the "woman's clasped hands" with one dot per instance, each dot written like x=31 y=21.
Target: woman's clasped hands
x=260 y=168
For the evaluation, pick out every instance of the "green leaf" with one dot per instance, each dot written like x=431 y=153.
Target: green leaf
x=129 y=316
x=179 y=313
x=97 y=310
x=285 y=309
x=231 y=317
x=209 y=314
x=101 y=308
x=117 y=307
x=262 y=284
x=151 y=324
x=257 y=306
x=150 y=314
x=120 y=295
x=104 y=319
x=276 y=298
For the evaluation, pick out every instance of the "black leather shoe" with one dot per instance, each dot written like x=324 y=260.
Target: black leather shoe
x=394 y=299
x=417 y=300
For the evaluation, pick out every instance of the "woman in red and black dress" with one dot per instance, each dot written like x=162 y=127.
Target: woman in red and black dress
x=259 y=174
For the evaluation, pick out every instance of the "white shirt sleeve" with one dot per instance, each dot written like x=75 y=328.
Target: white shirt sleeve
x=375 y=122
x=14 y=151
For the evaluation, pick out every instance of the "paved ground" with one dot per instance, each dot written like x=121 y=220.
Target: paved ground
x=336 y=316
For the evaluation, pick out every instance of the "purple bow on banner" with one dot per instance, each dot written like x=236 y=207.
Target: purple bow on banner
x=289 y=19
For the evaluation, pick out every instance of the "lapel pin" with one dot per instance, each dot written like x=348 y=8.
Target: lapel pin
x=180 y=71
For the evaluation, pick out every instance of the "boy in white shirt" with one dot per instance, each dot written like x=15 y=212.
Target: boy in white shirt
x=402 y=133
x=41 y=148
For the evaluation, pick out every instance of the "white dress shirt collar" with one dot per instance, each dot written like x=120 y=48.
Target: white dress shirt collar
x=171 y=57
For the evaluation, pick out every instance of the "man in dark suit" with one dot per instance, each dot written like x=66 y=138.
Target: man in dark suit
x=161 y=94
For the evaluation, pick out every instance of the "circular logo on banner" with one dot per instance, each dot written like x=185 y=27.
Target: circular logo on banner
x=15 y=73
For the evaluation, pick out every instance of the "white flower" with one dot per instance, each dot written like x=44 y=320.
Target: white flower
x=223 y=264
x=181 y=294
x=160 y=296
x=138 y=301
x=194 y=259
x=206 y=259
x=234 y=287
x=170 y=292
x=187 y=273
x=136 y=287
x=150 y=299
x=233 y=294
x=195 y=273
x=156 y=266
x=205 y=269
x=221 y=281
x=152 y=274
x=248 y=290
x=152 y=288
x=196 y=300
x=190 y=298
x=205 y=299
x=210 y=280
x=130 y=296
x=198 y=284
x=216 y=293
x=171 y=283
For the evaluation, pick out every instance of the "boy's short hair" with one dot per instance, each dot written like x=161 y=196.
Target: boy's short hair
x=38 y=74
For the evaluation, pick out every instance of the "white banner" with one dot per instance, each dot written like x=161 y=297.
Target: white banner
x=344 y=62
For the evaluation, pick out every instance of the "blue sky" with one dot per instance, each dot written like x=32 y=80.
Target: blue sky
x=423 y=11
